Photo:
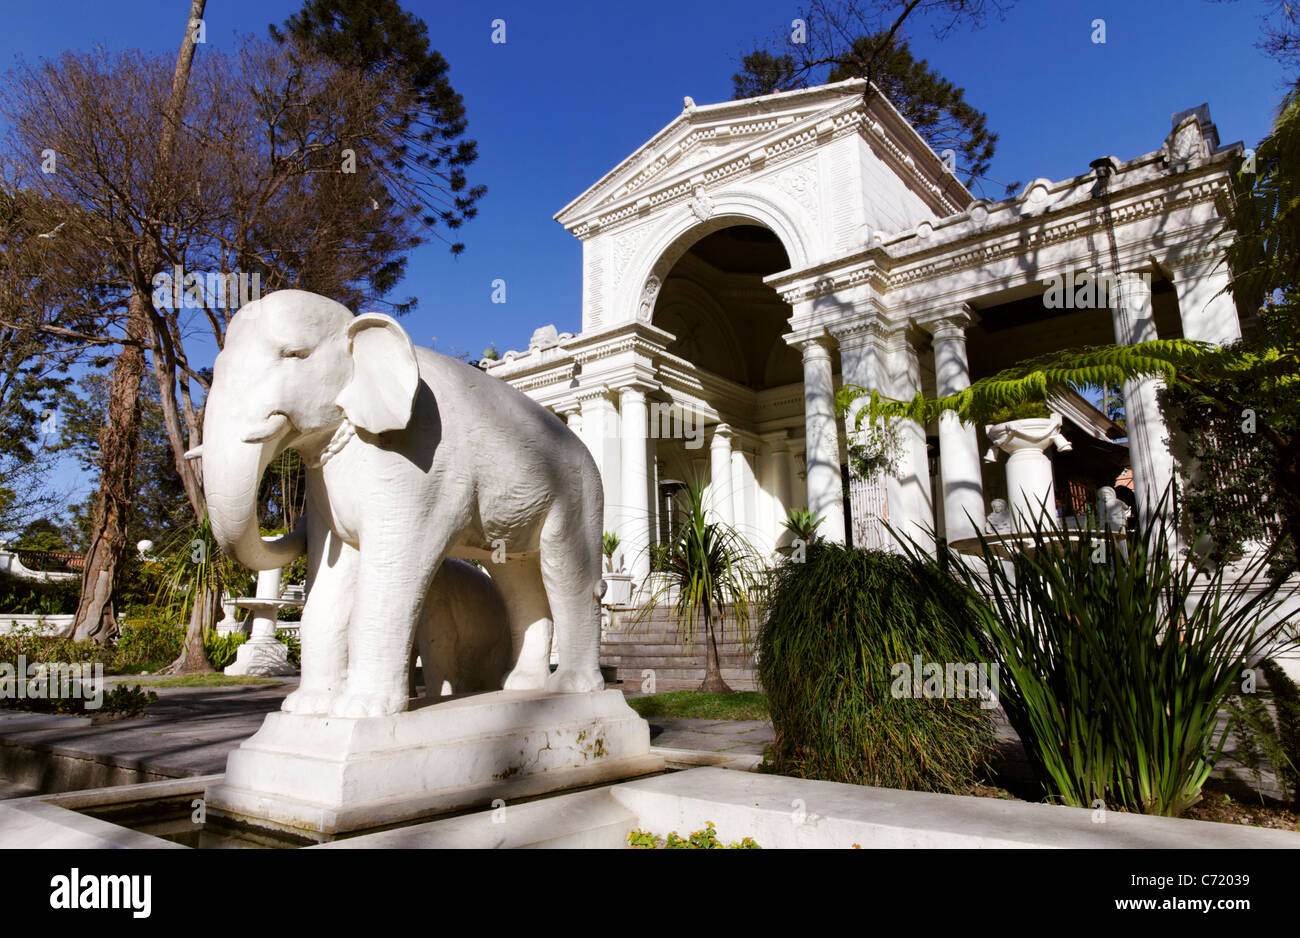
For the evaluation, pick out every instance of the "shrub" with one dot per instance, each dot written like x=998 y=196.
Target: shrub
x=836 y=627
x=146 y=639
x=1113 y=698
x=1262 y=737
x=290 y=640
x=51 y=648
x=706 y=839
x=38 y=597
x=221 y=649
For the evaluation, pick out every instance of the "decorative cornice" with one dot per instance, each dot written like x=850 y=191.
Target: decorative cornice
x=788 y=139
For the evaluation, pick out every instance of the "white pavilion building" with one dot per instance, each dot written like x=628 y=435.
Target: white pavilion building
x=754 y=255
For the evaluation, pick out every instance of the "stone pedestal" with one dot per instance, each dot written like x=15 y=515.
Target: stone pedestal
x=324 y=776
x=1030 y=487
x=263 y=654
x=265 y=657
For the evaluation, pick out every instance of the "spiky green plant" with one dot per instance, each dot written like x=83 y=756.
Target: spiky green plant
x=195 y=574
x=709 y=578
x=1116 y=654
x=1263 y=737
x=836 y=627
x=608 y=546
x=803 y=524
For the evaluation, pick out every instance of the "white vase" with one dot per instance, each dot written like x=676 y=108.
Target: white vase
x=1031 y=491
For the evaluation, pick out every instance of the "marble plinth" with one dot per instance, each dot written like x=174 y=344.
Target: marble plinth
x=324 y=776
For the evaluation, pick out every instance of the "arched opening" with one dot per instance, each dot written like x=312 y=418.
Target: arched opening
x=729 y=326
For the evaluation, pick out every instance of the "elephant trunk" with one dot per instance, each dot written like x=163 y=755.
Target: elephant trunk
x=232 y=473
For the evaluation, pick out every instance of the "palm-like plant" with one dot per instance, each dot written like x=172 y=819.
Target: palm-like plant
x=195 y=574
x=708 y=576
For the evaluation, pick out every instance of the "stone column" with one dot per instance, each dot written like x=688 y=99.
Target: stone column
x=600 y=433
x=825 y=491
x=263 y=653
x=910 y=500
x=743 y=484
x=634 y=518
x=862 y=366
x=1153 y=466
x=571 y=413
x=719 y=501
x=959 y=457
x=775 y=468
x=1206 y=306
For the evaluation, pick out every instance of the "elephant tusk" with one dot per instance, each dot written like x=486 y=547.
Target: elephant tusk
x=272 y=427
x=194 y=453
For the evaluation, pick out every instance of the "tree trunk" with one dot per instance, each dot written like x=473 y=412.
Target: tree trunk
x=194 y=657
x=118 y=441
x=713 y=682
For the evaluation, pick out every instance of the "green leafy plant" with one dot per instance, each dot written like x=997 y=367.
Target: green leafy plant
x=38 y=597
x=708 y=579
x=803 y=525
x=877 y=452
x=1262 y=737
x=29 y=642
x=837 y=625
x=147 y=640
x=1116 y=654
x=291 y=641
x=195 y=574
x=221 y=649
x=659 y=556
x=122 y=700
x=608 y=546
x=706 y=839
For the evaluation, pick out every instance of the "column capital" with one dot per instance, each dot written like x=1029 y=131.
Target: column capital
x=569 y=407
x=1192 y=264
x=858 y=332
x=949 y=323
x=776 y=440
x=592 y=393
x=635 y=390
x=817 y=340
x=722 y=432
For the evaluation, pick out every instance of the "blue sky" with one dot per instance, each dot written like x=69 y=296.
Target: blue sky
x=577 y=86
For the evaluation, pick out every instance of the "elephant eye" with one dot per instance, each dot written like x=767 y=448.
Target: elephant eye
x=294 y=352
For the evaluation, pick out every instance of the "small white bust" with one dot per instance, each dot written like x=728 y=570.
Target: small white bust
x=1112 y=512
x=999 y=521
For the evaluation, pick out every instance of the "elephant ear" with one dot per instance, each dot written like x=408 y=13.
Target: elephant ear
x=385 y=377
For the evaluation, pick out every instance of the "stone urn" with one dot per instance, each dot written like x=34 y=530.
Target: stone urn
x=618 y=589
x=1030 y=489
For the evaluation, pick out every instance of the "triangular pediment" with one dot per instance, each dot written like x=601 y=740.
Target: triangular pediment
x=702 y=140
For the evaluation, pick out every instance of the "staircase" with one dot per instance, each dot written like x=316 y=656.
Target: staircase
x=631 y=647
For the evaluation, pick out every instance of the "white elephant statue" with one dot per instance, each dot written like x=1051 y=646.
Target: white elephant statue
x=412 y=457
x=463 y=637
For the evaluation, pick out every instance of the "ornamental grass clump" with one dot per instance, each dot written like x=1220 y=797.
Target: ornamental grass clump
x=1116 y=654
x=843 y=634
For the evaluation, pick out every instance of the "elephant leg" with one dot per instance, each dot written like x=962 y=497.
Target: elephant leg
x=571 y=572
x=435 y=642
x=394 y=573
x=529 y=614
x=324 y=632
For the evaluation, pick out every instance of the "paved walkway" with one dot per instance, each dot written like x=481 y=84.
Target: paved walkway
x=190 y=731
